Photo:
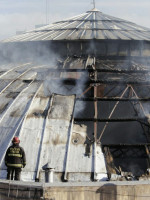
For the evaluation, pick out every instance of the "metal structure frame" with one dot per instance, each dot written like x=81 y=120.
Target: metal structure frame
x=136 y=75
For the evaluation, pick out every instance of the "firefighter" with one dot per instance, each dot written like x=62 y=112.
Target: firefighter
x=15 y=159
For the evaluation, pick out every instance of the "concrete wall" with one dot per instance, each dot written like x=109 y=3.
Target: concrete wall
x=105 y=192
x=10 y=190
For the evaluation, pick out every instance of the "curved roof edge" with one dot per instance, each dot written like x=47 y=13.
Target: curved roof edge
x=87 y=26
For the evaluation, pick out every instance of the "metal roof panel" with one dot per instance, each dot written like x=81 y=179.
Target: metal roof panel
x=87 y=22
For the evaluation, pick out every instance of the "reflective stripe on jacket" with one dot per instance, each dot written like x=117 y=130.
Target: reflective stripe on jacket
x=14 y=165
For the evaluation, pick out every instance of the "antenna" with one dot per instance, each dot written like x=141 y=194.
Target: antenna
x=94 y=3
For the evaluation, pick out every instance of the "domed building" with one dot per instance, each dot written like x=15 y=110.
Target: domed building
x=77 y=94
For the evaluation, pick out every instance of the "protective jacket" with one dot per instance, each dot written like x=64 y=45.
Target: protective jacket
x=15 y=157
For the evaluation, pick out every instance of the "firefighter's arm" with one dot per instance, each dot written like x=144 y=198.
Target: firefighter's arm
x=23 y=158
x=6 y=157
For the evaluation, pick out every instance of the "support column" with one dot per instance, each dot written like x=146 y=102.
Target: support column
x=95 y=122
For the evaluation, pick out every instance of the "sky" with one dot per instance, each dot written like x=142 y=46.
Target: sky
x=23 y=15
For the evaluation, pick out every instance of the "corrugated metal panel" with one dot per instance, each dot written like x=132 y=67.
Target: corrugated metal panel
x=14 y=115
x=101 y=25
x=88 y=34
x=80 y=165
x=64 y=33
x=20 y=37
x=56 y=133
x=52 y=35
x=12 y=75
x=131 y=34
x=10 y=94
x=33 y=37
x=76 y=34
x=100 y=35
x=3 y=84
x=123 y=34
x=78 y=162
x=99 y=165
x=111 y=34
x=33 y=129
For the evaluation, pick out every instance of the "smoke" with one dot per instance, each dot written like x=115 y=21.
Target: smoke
x=65 y=87
x=136 y=168
x=39 y=53
x=47 y=56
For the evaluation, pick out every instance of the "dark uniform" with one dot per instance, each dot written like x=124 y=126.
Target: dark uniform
x=15 y=159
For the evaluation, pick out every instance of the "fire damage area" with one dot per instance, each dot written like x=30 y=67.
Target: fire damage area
x=118 y=93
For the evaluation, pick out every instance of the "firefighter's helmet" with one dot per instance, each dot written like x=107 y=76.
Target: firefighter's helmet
x=15 y=140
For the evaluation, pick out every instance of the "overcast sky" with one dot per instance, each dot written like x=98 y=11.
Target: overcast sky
x=17 y=15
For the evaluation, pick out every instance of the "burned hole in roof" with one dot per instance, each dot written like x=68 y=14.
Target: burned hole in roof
x=38 y=114
x=126 y=158
x=27 y=81
x=69 y=81
x=12 y=95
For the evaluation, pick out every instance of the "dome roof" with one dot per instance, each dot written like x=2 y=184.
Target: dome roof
x=43 y=120
x=90 y=25
x=40 y=103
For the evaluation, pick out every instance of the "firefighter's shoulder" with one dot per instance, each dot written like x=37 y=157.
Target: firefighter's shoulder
x=21 y=148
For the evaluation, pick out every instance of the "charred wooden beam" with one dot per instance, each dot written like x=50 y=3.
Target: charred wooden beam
x=126 y=145
x=111 y=99
x=123 y=58
x=123 y=71
x=99 y=70
x=93 y=83
x=72 y=81
x=121 y=82
x=109 y=120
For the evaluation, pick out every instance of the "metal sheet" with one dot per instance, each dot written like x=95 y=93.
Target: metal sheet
x=12 y=119
x=100 y=165
x=56 y=132
x=32 y=132
x=77 y=161
x=81 y=165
